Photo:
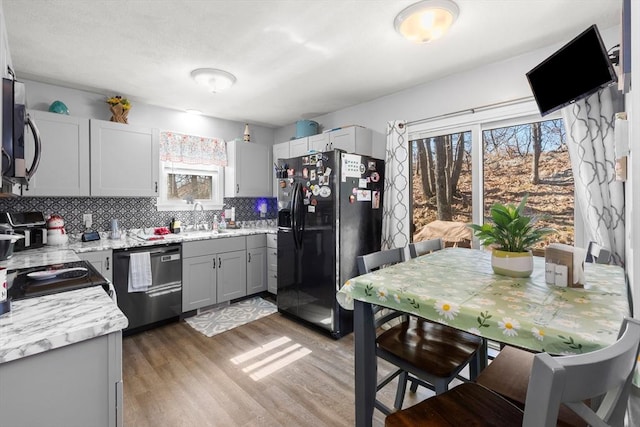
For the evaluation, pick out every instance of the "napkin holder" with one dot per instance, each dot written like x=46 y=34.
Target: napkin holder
x=564 y=265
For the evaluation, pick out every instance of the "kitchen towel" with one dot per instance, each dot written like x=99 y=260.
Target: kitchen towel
x=139 y=271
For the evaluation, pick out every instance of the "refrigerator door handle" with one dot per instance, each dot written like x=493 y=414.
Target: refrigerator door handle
x=300 y=212
x=294 y=209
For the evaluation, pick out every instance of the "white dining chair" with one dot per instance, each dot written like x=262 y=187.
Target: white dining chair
x=424 y=247
x=602 y=377
x=598 y=254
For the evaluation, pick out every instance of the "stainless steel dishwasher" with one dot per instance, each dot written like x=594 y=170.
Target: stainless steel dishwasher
x=163 y=299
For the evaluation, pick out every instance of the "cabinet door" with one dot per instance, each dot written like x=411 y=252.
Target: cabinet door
x=299 y=147
x=102 y=261
x=198 y=282
x=248 y=171
x=256 y=270
x=353 y=139
x=231 y=275
x=319 y=142
x=64 y=164
x=272 y=270
x=343 y=139
x=124 y=160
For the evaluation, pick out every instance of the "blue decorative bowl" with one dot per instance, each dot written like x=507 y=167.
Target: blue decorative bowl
x=59 y=108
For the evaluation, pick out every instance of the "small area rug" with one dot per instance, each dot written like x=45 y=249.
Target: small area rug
x=220 y=319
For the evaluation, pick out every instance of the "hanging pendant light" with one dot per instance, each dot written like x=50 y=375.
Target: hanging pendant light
x=427 y=20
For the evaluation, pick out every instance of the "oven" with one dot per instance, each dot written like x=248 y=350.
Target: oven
x=159 y=302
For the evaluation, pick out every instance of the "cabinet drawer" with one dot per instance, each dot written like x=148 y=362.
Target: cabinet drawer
x=272 y=282
x=272 y=259
x=213 y=246
x=257 y=241
x=272 y=241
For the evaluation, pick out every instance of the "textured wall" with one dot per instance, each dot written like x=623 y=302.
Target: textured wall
x=131 y=212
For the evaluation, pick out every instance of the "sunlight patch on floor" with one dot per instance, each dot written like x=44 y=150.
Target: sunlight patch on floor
x=265 y=364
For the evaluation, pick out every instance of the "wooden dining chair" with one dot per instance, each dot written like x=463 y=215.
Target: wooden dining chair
x=427 y=353
x=508 y=375
x=602 y=377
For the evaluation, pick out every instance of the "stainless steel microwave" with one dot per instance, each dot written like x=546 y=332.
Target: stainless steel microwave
x=15 y=121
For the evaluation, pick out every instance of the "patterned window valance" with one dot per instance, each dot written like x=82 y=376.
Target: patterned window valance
x=194 y=150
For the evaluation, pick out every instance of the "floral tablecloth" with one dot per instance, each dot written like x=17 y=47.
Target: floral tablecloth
x=457 y=287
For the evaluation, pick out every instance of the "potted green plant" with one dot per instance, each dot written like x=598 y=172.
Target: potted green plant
x=511 y=234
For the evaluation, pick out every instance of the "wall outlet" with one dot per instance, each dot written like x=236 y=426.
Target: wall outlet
x=87 y=220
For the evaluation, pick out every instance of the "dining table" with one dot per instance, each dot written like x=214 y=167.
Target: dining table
x=457 y=287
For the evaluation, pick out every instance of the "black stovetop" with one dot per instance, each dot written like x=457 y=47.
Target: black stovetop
x=21 y=286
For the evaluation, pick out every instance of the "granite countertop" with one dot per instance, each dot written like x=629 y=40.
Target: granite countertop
x=133 y=239
x=40 y=324
x=44 y=323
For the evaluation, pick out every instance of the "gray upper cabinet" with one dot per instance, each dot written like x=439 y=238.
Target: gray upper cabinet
x=352 y=139
x=124 y=160
x=248 y=171
x=64 y=164
x=299 y=147
x=319 y=142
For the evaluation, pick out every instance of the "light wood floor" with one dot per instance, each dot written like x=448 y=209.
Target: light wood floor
x=175 y=376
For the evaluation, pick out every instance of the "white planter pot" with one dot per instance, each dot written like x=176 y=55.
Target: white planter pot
x=512 y=264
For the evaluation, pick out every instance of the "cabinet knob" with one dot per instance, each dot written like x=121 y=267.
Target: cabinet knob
x=237 y=188
x=214 y=263
x=106 y=263
x=219 y=262
x=249 y=254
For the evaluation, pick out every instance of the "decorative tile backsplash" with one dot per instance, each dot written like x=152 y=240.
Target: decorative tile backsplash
x=131 y=212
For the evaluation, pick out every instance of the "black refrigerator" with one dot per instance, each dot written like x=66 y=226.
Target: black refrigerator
x=329 y=212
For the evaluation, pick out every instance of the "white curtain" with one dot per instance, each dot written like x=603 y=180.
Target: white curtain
x=396 y=215
x=590 y=138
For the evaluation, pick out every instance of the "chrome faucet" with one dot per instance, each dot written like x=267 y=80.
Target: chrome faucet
x=196 y=225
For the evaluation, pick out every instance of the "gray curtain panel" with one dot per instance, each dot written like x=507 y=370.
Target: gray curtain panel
x=396 y=213
x=589 y=124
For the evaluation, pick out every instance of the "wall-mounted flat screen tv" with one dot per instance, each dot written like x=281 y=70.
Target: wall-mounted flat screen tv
x=578 y=69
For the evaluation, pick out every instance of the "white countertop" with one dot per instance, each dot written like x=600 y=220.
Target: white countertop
x=40 y=324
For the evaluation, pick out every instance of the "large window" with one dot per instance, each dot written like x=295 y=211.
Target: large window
x=441 y=180
x=531 y=158
x=463 y=164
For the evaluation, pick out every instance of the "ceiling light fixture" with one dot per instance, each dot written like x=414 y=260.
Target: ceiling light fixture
x=214 y=80
x=426 y=20
x=194 y=112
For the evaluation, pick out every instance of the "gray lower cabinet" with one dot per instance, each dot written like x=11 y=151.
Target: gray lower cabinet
x=213 y=271
x=102 y=261
x=75 y=385
x=198 y=282
x=256 y=264
x=232 y=275
x=272 y=263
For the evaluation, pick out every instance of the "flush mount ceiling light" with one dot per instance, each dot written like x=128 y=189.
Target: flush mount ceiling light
x=426 y=20
x=213 y=79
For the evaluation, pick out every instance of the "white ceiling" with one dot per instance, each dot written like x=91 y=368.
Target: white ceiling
x=293 y=59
